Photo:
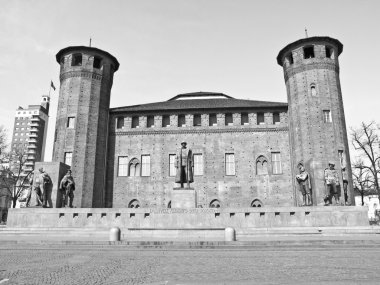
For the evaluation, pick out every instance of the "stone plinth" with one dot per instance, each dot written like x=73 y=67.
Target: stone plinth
x=197 y=218
x=56 y=171
x=184 y=198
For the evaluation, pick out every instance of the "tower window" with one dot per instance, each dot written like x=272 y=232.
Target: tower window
x=165 y=121
x=150 y=121
x=327 y=116
x=313 y=90
x=329 y=52
x=228 y=119
x=122 y=166
x=244 y=118
x=120 y=122
x=135 y=122
x=198 y=164
x=276 y=118
x=308 y=52
x=172 y=165
x=70 y=122
x=76 y=60
x=145 y=165
x=197 y=122
x=260 y=118
x=181 y=120
x=97 y=62
x=68 y=158
x=230 y=164
x=289 y=58
x=276 y=163
x=212 y=120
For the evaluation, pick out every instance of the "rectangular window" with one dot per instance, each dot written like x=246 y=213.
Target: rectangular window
x=135 y=122
x=172 y=168
x=308 y=52
x=260 y=118
x=230 y=164
x=197 y=122
x=165 y=121
x=276 y=118
x=327 y=116
x=70 y=122
x=212 y=120
x=68 y=158
x=329 y=52
x=198 y=164
x=76 y=60
x=122 y=166
x=119 y=122
x=244 y=118
x=228 y=119
x=181 y=120
x=276 y=163
x=97 y=62
x=145 y=165
x=150 y=122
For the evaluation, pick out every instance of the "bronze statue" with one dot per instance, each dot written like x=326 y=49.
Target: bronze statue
x=345 y=185
x=332 y=184
x=41 y=183
x=67 y=186
x=184 y=165
x=303 y=179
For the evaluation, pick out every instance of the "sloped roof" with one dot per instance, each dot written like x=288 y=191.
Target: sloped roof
x=202 y=102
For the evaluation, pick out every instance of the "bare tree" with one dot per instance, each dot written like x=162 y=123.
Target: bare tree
x=366 y=142
x=16 y=178
x=361 y=178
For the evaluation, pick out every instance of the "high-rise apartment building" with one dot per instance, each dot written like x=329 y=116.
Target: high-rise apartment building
x=29 y=132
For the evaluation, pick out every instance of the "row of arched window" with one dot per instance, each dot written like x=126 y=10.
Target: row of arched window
x=135 y=167
x=215 y=203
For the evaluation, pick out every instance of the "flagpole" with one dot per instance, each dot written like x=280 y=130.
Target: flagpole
x=50 y=88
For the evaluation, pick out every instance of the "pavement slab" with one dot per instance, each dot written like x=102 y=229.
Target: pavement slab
x=110 y=264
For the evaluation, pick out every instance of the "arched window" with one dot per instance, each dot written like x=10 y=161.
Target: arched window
x=313 y=90
x=134 y=204
x=261 y=165
x=134 y=167
x=215 y=203
x=170 y=204
x=256 y=203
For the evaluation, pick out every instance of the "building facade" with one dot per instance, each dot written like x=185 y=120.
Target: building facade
x=246 y=152
x=29 y=132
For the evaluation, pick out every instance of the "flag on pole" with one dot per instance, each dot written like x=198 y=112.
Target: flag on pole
x=52 y=85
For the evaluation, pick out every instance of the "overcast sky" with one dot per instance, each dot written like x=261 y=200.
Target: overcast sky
x=167 y=47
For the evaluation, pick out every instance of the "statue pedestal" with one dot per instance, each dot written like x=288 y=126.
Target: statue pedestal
x=56 y=171
x=184 y=198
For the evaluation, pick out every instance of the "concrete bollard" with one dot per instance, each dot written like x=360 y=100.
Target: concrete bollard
x=115 y=234
x=229 y=234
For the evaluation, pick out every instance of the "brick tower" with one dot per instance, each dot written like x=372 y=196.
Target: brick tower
x=317 y=127
x=86 y=77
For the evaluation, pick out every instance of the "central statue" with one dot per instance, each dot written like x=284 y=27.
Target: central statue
x=184 y=165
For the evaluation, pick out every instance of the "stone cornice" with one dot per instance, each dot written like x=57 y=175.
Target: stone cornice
x=80 y=73
x=291 y=71
x=199 y=131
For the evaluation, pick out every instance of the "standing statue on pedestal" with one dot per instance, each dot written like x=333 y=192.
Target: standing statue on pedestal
x=345 y=186
x=41 y=183
x=67 y=186
x=184 y=165
x=332 y=184
x=303 y=180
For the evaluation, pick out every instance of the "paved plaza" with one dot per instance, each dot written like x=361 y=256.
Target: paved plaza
x=44 y=264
